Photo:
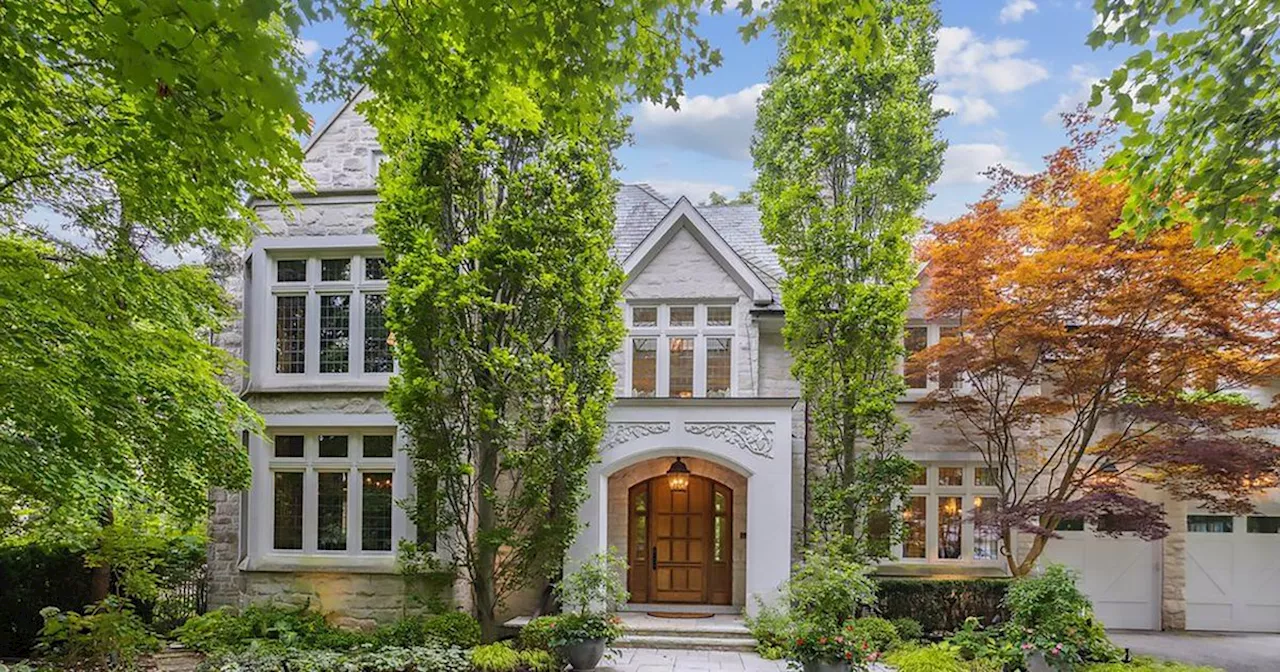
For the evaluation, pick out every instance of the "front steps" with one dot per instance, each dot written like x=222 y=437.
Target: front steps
x=724 y=632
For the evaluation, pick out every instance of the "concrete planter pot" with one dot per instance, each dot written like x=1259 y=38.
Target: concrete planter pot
x=820 y=666
x=584 y=656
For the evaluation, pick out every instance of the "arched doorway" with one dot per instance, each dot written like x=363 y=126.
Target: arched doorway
x=680 y=543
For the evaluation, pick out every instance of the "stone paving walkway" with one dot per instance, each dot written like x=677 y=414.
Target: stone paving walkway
x=663 y=660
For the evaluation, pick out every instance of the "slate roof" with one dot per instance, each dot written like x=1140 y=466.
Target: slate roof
x=639 y=208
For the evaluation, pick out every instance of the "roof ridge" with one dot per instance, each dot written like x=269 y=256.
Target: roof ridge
x=650 y=191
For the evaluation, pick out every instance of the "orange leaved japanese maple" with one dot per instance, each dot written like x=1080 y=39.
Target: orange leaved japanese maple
x=1089 y=368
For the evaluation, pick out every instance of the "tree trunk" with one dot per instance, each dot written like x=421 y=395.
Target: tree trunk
x=100 y=575
x=483 y=584
x=1028 y=562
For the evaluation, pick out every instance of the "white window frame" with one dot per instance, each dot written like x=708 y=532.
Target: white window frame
x=267 y=289
x=262 y=553
x=700 y=332
x=932 y=491
x=932 y=338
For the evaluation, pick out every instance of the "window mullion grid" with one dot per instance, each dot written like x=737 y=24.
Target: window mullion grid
x=699 y=365
x=355 y=331
x=663 y=387
x=310 y=494
x=355 y=491
x=312 y=367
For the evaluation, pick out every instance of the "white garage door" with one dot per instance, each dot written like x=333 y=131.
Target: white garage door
x=1233 y=573
x=1121 y=575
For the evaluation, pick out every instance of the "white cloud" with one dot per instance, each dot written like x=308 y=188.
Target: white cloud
x=1082 y=78
x=972 y=66
x=695 y=191
x=720 y=126
x=1014 y=10
x=967 y=109
x=965 y=163
x=306 y=47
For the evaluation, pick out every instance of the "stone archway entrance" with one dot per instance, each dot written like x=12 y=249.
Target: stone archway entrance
x=680 y=543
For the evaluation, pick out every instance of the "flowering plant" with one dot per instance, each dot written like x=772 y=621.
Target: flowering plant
x=568 y=629
x=814 y=643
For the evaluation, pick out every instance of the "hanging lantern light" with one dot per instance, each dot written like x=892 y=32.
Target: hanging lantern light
x=678 y=476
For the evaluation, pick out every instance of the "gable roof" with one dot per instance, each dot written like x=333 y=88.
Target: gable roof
x=684 y=216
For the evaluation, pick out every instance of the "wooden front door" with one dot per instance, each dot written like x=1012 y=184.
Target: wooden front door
x=679 y=542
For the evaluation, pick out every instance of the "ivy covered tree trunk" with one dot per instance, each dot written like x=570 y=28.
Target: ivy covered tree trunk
x=846 y=149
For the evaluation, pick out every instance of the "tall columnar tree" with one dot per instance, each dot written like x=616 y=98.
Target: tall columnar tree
x=1087 y=364
x=127 y=127
x=499 y=119
x=846 y=150
x=504 y=305
x=1203 y=119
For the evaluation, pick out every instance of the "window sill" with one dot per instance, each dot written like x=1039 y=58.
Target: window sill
x=335 y=384
x=284 y=562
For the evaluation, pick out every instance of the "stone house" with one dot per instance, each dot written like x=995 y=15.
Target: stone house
x=703 y=378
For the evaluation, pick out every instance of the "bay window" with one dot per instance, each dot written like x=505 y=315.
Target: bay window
x=939 y=515
x=326 y=311
x=680 y=350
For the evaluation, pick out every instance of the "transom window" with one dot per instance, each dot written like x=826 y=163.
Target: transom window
x=331 y=492
x=680 y=350
x=328 y=315
x=939 y=515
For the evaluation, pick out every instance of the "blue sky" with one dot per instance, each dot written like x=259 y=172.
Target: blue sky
x=1005 y=68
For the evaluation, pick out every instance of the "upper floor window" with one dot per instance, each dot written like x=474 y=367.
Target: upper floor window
x=328 y=315
x=917 y=337
x=680 y=350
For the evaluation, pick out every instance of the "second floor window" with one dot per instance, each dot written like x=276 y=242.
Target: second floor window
x=328 y=315
x=680 y=350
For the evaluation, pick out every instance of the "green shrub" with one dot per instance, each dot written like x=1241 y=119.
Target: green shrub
x=537 y=634
x=107 y=635
x=494 y=658
x=1144 y=664
x=292 y=627
x=909 y=629
x=937 y=658
x=771 y=627
x=448 y=629
x=977 y=643
x=388 y=659
x=537 y=660
x=32 y=577
x=829 y=589
x=1049 y=613
x=453 y=628
x=941 y=605
x=877 y=633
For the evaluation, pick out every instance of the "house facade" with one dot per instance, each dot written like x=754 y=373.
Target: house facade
x=703 y=384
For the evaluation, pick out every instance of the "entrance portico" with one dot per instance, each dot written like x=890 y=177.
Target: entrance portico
x=738 y=450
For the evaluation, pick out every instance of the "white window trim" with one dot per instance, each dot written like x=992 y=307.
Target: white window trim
x=933 y=336
x=262 y=302
x=262 y=554
x=700 y=332
x=931 y=491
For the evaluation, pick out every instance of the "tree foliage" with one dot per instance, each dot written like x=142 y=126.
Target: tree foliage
x=158 y=114
x=1088 y=364
x=846 y=150
x=503 y=300
x=1203 y=120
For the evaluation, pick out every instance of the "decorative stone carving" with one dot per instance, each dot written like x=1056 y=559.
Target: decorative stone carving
x=618 y=433
x=754 y=437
